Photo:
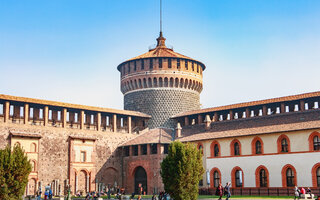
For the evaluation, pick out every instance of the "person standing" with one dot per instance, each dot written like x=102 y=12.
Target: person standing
x=227 y=190
x=140 y=191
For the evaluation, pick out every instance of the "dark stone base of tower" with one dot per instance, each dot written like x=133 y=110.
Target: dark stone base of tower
x=162 y=104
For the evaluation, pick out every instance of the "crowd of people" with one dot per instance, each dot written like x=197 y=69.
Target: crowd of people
x=224 y=191
x=298 y=192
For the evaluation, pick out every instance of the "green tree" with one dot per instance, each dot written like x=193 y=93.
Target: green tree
x=14 y=171
x=182 y=170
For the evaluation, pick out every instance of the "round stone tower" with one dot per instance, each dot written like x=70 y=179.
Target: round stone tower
x=161 y=83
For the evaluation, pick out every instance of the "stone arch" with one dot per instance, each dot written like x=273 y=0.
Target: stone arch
x=171 y=82
x=176 y=84
x=135 y=84
x=160 y=82
x=32 y=186
x=155 y=82
x=140 y=177
x=181 y=83
x=139 y=83
x=33 y=147
x=110 y=176
x=144 y=82
x=82 y=181
x=186 y=84
x=166 y=82
x=149 y=82
x=33 y=165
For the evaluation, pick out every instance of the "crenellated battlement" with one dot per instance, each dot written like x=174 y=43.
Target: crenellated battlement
x=20 y=110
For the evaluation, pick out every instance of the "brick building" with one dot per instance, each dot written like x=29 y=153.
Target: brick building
x=262 y=147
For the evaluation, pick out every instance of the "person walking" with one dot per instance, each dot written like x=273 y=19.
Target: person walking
x=39 y=193
x=296 y=192
x=219 y=191
x=227 y=190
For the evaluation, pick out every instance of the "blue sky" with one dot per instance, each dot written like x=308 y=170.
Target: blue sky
x=69 y=50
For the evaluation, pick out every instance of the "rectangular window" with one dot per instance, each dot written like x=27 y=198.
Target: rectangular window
x=31 y=113
x=144 y=149
x=165 y=148
x=50 y=114
x=160 y=62
x=178 y=63
x=126 y=151
x=40 y=113
x=192 y=65
x=21 y=111
x=135 y=66
x=186 y=64
x=76 y=117
x=83 y=156
x=154 y=149
x=151 y=63
x=135 y=150
x=142 y=64
x=11 y=110
x=108 y=120
x=1 y=109
x=169 y=63
x=128 y=67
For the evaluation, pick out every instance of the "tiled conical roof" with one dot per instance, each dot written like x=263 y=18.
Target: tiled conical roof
x=161 y=50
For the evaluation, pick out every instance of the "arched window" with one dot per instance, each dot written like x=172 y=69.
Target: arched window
x=33 y=147
x=200 y=148
x=318 y=177
x=262 y=176
x=316 y=143
x=33 y=165
x=283 y=144
x=237 y=177
x=289 y=175
x=235 y=148
x=215 y=149
x=216 y=179
x=257 y=146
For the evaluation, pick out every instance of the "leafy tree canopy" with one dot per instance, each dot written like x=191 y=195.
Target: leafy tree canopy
x=182 y=170
x=14 y=171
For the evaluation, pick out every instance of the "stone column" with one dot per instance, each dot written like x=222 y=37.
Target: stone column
x=248 y=113
x=76 y=183
x=129 y=125
x=282 y=108
x=178 y=130
x=81 y=119
x=264 y=110
x=88 y=182
x=199 y=119
x=231 y=115
x=186 y=121
x=98 y=121
x=215 y=117
x=114 y=125
x=64 y=117
x=46 y=115
x=6 y=111
x=26 y=113
x=302 y=105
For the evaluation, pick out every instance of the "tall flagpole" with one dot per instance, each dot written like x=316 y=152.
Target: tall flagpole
x=160 y=16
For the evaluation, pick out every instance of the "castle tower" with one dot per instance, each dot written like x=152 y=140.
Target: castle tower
x=161 y=83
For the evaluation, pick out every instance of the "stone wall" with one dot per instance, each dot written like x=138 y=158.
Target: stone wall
x=161 y=104
x=54 y=150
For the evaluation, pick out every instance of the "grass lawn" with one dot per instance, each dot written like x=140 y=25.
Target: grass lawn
x=246 y=197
